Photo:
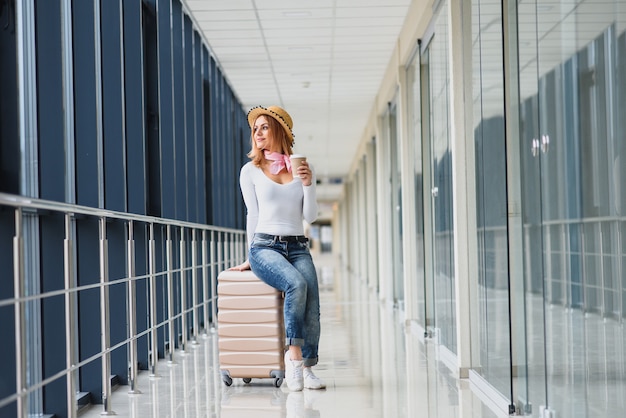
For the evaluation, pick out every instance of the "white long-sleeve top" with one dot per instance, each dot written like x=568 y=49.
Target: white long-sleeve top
x=274 y=208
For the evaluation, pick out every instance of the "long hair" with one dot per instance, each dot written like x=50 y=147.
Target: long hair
x=278 y=134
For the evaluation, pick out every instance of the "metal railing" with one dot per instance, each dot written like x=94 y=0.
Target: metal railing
x=190 y=264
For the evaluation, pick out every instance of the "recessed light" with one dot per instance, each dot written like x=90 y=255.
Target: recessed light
x=300 y=49
x=297 y=13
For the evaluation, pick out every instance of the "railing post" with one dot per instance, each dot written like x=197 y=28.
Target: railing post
x=183 y=291
x=70 y=322
x=221 y=250
x=20 y=325
x=170 y=296
x=232 y=256
x=240 y=249
x=154 y=347
x=221 y=264
x=205 y=283
x=104 y=320
x=194 y=286
x=214 y=272
x=132 y=311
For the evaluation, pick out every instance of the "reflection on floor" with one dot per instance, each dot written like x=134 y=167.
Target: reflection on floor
x=363 y=359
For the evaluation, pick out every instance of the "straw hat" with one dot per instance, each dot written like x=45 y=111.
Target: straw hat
x=277 y=113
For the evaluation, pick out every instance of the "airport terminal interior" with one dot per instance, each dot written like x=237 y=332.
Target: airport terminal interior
x=470 y=239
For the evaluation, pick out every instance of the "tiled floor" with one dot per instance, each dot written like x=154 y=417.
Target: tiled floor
x=363 y=359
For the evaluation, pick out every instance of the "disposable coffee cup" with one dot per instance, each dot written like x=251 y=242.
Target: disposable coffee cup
x=296 y=160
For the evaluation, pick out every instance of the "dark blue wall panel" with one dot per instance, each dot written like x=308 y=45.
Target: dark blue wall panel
x=160 y=287
x=87 y=191
x=180 y=144
x=198 y=89
x=7 y=325
x=88 y=262
x=112 y=106
x=116 y=237
x=114 y=172
x=151 y=108
x=207 y=99
x=86 y=138
x=50 y=102
x=9 y=183
x=52 y=175
x=52 y=233
x=141 y=293
x=136 y=179
x=189 y=113
x=166 y=109
x=133 y=86
x=9 y=138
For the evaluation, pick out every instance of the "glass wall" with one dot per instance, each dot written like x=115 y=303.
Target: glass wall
x=572 y=146
x=414 y=95
x=395 y=167
x=490 y=142
x=441 y=172
x=572 y=110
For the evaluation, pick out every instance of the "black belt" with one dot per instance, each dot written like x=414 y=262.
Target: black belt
x=283 y=238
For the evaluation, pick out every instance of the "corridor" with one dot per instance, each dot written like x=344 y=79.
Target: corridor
x=363 y=359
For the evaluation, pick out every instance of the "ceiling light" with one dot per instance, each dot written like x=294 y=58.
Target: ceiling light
x=297 y=13
x=300 y=49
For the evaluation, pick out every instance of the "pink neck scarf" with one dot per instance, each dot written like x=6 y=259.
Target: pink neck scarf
x=279 y=161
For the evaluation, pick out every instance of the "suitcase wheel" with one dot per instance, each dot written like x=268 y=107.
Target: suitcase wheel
x=278 y=381
x=247 y=380
x=227 y=380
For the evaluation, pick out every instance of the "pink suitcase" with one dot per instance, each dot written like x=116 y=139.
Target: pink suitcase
x=250 y=328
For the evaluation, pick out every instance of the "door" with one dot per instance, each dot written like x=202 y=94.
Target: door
x=435 y=54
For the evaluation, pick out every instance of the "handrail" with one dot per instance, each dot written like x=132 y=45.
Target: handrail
x=49 y=205
x=202 y=251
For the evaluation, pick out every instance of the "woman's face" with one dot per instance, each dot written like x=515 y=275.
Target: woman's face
x=262 y=134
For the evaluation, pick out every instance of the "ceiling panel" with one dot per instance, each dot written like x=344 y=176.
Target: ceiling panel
x=322 y=61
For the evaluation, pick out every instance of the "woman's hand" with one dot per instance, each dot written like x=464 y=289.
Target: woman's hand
x=305 y=174
x=241 y=267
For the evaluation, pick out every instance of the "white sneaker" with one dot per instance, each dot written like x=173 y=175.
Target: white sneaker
x=293 y=373
x=311 y=381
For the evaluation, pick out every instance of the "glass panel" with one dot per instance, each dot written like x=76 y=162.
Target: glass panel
x=396 y=207
x=414 y=100
x=531 y=377
x=572 y=142
x=489 y=136
x=445 y=299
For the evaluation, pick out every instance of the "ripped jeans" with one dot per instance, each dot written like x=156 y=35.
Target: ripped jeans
x=285 y=263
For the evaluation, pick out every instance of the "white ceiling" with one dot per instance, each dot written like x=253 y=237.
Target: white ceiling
x=323 y=61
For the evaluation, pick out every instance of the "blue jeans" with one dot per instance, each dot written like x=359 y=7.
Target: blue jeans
x=285 y=263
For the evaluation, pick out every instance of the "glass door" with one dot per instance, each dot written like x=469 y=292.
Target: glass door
x=441 y=181
x=415 y=114
x=429 y=230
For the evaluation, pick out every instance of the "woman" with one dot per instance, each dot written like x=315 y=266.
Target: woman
x=277 y=202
